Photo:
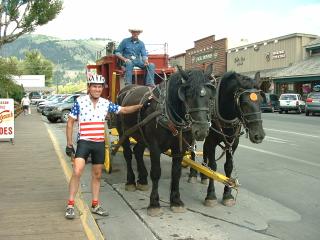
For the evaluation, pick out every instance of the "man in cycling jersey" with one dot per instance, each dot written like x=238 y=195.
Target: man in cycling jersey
x=90 y=111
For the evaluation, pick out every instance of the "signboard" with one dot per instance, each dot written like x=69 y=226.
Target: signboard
x=204 y=57
x=6 y=118
x=278 y=54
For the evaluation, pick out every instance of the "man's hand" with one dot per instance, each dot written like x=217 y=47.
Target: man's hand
x=127 y=60
x=146 y=63
x=70 y=150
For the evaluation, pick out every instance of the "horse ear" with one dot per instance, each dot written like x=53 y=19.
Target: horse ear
x=209 y=70
x=258 y=79
x=183 y=74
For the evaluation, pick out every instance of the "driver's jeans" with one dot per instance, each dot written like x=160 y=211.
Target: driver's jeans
x=138 y=63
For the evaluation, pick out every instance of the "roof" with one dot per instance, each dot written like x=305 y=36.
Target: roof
x=305 y=68
x=38 y=89
x=265 y=73
x=274 y=39
x=314 y=43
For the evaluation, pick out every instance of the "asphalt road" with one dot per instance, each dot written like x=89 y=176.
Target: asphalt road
x=278 y=198
x=286 y=169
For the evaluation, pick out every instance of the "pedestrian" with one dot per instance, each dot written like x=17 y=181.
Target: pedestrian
x=133 y=53
x=90 y=111
x=25 y=103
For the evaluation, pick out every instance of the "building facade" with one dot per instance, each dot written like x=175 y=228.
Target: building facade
x=178 y=60
x=206 y=51
x=273 y=57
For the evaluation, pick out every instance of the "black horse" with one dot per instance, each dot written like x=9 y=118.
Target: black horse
x=178 y=112
x=237 y=104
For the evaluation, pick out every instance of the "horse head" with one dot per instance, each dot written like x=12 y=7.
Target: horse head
x=248 y=105
x=239 y=100
x=196 y=92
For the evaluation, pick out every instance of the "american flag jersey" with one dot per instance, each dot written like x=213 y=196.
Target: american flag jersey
x=92 y=120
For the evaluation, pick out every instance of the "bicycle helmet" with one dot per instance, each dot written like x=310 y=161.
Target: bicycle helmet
x=96 y=79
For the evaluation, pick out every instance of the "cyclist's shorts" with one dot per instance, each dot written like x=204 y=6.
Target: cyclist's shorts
x=96 y=149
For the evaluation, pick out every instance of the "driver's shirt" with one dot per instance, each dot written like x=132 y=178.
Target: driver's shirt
x=92 y=120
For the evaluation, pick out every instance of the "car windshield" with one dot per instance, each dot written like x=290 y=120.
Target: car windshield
x=288 y=97
x=314 y=95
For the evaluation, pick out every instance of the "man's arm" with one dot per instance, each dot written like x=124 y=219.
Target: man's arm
x=130 y=109
x=69 y=131
x=119 y=52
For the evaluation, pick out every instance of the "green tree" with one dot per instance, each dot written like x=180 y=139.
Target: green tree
x=18 y=17
x=36 y=64
x=9 y=67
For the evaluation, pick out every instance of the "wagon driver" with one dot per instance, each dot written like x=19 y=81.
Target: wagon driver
x=132 y=52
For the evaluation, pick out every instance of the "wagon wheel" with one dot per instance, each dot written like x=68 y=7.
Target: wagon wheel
x=108 y=156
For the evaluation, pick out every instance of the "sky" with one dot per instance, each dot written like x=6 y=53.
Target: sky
x=180 y=23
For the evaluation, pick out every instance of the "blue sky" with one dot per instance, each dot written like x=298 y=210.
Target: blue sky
x=180 y=23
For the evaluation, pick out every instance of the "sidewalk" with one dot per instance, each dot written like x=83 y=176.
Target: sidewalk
x=34 y=188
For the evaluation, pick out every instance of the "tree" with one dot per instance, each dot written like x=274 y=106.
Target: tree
x=18 y=17
x=9 y=67
x=36 y=64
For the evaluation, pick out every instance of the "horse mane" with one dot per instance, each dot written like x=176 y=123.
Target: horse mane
x=243 y=81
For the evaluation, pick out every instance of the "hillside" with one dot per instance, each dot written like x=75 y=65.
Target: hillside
x=71 y=55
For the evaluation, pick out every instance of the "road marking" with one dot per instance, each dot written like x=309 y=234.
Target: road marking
x=280 y=155
x=86 y=215
x=296 y=133
x=277 y=140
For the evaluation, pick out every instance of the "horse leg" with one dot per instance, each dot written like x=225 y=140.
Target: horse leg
x=176 y=205
x=204 y=178
x=127 y=153
x=209 y=149
x=193 y=173
x=142 y=182
x=154 y=209
x=228 y=199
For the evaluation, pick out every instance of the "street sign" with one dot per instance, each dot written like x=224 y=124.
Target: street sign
x=6 y=118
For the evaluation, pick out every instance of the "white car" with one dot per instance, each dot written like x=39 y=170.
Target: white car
x=291 y=102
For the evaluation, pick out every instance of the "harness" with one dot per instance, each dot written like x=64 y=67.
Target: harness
x=235 y=124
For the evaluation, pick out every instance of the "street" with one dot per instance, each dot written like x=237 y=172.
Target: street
x=278 y=198
x=285 y=168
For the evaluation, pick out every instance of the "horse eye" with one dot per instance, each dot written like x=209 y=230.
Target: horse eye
x=253 y=97
x=203 y=92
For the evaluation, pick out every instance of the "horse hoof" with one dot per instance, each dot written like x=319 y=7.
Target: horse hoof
x=205 y=181
x=142 y=187
x=179 y=209
x=130 y=187
x=229 y=202
x=210 y=202
x=192 y=180
x=154 y=212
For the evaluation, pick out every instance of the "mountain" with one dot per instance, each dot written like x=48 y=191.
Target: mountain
x=71 y=55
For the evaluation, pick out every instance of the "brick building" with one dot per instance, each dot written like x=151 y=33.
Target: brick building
x=208 y=50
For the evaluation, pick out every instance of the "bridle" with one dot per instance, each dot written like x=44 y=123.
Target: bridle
x=245 y=117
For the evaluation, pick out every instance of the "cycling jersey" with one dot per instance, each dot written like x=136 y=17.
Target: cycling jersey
x=92 y=120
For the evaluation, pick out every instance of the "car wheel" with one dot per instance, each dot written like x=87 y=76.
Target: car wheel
x=280 y=111
x=272 y=109
x=65 y=115
x=52 y=120
x=286 y=111
x=298 y=111
x=307 y=113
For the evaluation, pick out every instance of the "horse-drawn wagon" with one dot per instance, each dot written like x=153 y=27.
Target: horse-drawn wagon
x=182 y=108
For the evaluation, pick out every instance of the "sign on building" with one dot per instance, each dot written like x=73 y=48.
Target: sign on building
x=204 y=57
x=6 y=118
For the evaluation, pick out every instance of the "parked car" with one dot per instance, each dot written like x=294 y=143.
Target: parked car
x=60 y=111
x=270 y=103
x=291 y=102
x=313 y=103
x=50 y=101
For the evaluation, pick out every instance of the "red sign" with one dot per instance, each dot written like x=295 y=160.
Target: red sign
x=6 y=118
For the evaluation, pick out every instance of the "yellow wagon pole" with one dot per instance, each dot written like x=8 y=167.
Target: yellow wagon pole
x=186 y=161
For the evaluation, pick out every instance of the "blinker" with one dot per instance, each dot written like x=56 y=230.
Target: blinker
x=203 y=92
x=253 y=97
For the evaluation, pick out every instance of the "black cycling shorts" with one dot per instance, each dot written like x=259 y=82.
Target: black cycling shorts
x=96 y=149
